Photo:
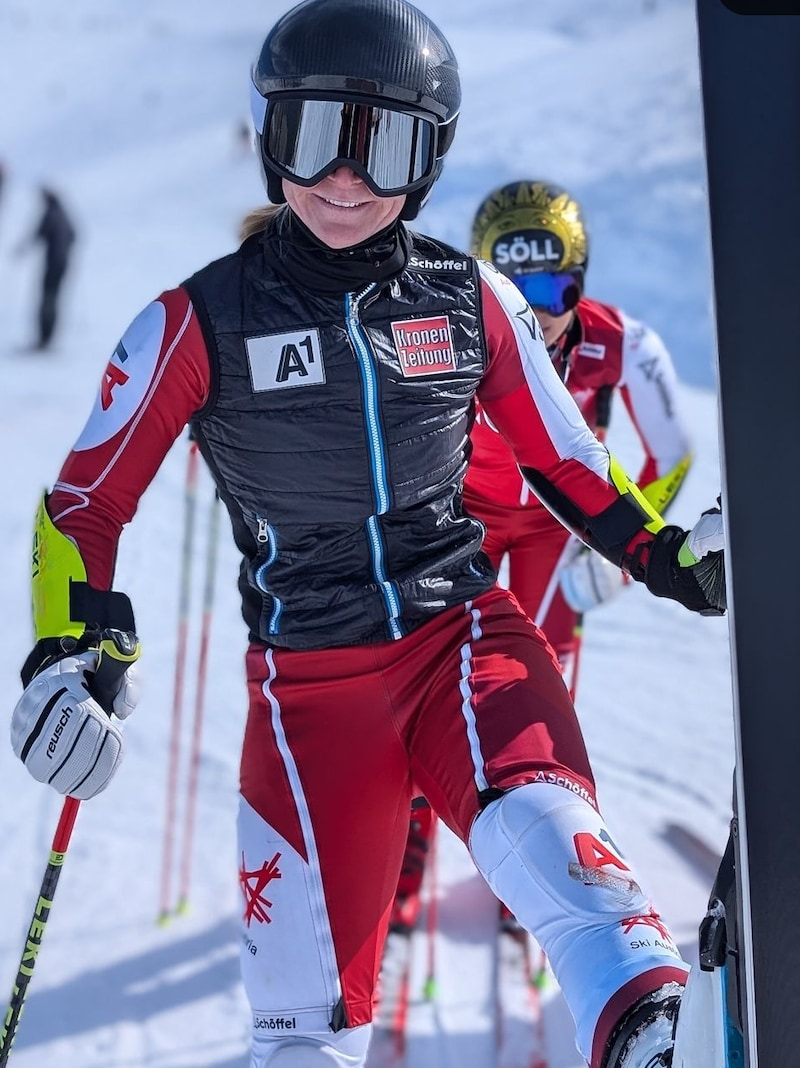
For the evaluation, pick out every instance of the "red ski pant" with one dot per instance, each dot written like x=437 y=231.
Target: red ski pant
x=537 y=546
x=336 y=744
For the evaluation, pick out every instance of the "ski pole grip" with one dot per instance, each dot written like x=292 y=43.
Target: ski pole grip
x=118 y=650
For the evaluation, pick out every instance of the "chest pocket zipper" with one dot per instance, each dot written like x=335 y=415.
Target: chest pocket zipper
x=268 y=543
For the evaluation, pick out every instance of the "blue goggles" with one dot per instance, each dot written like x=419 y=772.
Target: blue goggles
x=555 y=293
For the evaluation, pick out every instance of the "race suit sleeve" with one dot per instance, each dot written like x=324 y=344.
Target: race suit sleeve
x=157 y=378
x=649 y=389
x=567 y=467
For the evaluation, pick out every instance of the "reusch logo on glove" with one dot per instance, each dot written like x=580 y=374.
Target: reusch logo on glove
x=66 y=714
x=424 y=346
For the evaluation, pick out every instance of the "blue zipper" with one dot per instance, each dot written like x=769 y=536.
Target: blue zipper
x=377 y=457
x=266 y=534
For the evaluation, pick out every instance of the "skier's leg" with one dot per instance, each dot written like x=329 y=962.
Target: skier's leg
x=48 y=305
x=548 y=854
x=499 y=717
x=405 y=909
x=392 y=1000
x=321 y=750
x=344 y=1049
x=536 y=559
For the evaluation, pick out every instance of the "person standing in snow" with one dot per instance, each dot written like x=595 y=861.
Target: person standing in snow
x=329 y=369
x=55 y=232
x=534 y=232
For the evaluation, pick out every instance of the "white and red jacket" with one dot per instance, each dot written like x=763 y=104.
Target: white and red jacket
x=605 y=353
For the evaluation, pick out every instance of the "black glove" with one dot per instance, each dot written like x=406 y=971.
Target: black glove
x=688 y=567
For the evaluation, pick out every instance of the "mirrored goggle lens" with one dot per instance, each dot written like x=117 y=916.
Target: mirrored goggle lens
x=556 y=293
x=394 y=150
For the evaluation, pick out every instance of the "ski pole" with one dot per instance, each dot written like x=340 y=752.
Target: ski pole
x=605 y=395
x=41 y=914
x=114 y=659
x=190 y=496
x=429 y=989
x=537 y=980
x=197 y=730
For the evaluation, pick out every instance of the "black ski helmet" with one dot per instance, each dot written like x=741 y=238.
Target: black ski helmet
x=378 y=52
x=530 y=226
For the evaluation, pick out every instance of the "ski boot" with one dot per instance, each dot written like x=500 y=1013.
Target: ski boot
x=644 y=1038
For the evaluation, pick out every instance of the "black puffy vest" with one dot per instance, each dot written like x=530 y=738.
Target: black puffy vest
x=337 y=432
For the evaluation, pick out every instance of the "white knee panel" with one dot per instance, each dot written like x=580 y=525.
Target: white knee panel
x=340 y=1049
x=547 y=854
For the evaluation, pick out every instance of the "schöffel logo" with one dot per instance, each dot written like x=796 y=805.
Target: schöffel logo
x=422 y=263
x=275 y=1023
x=424 y=346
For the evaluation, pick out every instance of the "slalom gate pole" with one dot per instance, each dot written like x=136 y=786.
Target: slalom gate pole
x=170 y=818
x=432 y=916
x=197 y=728
x=603 y=417
x=41 y=914
x=537 y=979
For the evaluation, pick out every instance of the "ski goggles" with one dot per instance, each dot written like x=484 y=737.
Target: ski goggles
x=556 y=293
x=393 y=152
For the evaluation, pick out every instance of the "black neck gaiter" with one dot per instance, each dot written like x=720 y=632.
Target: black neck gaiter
x=307 y=262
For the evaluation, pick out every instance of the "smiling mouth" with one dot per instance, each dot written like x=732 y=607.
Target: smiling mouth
x=342 y=203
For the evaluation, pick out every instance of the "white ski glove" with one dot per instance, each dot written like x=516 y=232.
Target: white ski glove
x=61 y=727
x=706 y=536
x=689 y=567
x=591 y=580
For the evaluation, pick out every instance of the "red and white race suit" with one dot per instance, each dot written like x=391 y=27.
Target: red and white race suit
x=463 y=706
x=605 y=354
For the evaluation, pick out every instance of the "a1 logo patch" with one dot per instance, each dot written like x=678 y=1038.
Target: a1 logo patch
x=281 y=361
x=425 y=346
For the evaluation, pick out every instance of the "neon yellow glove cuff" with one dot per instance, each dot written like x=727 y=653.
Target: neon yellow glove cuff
x=56 y=562
x=625 y=484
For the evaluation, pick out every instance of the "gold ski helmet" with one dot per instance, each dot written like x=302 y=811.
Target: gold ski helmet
x=533 y=229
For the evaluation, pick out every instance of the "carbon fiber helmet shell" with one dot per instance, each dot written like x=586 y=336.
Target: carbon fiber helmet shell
x=382 y=51
x=529 y=226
